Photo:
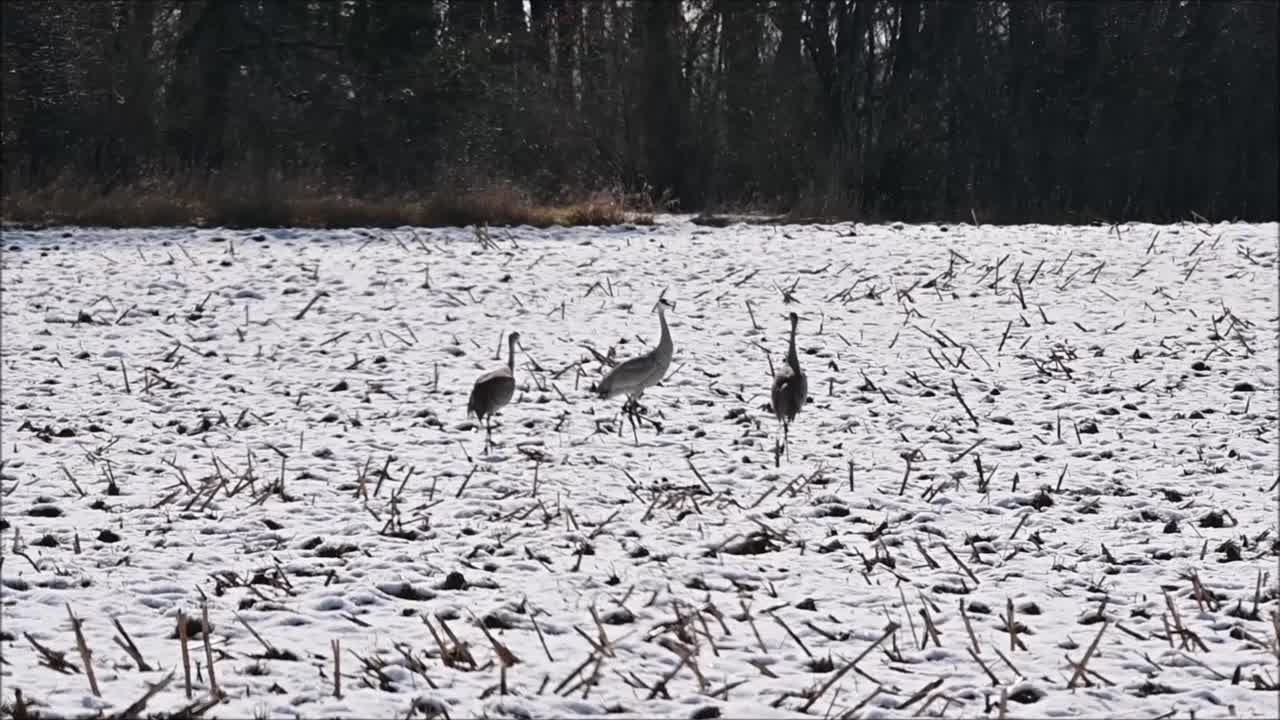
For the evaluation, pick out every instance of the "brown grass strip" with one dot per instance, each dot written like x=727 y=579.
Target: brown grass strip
x=168 y=203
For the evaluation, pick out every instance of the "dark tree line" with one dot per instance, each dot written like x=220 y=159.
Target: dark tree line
x=1018 y=110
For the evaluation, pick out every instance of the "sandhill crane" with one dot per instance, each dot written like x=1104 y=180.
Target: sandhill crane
x=493 y=390
x=790 y=390
x=632 y=376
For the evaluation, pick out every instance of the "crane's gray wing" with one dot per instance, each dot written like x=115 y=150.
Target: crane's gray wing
x=628 y=376
x=790 y=390
x=491 y=392
x=493 y=375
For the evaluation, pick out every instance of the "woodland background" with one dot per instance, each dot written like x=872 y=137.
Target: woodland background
x=1014 y=111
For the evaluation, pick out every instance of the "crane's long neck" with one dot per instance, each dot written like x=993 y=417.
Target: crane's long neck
x=511 y=353
x=664 y=342
x=792 y=359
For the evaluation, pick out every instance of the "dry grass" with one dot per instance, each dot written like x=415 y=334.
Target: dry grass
x=68 y=204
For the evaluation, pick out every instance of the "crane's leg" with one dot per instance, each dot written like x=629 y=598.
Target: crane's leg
x=488 y=433
x=631 y=411
x=626 y=409
x=777 y=449
x=640 y=415
x=786 y=438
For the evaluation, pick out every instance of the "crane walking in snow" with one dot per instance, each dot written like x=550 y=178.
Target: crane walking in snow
x=493 y=390
x=631 y=377
x=790 y=391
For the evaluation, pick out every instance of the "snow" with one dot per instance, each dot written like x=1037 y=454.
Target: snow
x=1127 y=381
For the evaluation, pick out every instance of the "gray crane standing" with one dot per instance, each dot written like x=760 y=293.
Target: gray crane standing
x=790 y=391
x=632 y=376
x=493 y=390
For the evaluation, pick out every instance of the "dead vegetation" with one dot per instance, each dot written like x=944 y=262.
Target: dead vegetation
x=231 y=206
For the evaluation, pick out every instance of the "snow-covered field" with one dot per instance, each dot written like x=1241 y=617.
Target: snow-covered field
x=1075 y=426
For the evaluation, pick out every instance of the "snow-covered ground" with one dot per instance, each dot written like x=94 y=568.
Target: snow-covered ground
x=1077 y=423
